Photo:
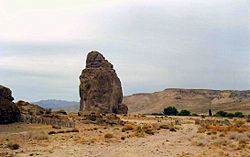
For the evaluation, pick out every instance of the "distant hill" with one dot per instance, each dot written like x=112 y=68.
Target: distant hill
x=195 y=100
x=69 y=106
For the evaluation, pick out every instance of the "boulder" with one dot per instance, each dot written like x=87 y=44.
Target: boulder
x=9 y=112
x=122 y=109
x=100 y=88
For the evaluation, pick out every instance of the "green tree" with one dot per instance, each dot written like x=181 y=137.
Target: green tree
x=170 y=111
x=230 y=115
x=221 y=114
x=184 y=113
x=238 y=114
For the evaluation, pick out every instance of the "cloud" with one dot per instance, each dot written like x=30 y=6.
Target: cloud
x=152 y=44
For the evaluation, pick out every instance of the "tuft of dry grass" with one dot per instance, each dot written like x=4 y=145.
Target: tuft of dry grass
x=128 y=127
x=241 y=138
x=139 y=131
x=200 y=141
x=38 y=135
x=148 y=129
x=108 y=135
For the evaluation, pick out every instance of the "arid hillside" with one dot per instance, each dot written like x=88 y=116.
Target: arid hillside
x=195 y=100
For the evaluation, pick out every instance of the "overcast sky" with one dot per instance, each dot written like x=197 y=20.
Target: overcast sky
x=153 y=44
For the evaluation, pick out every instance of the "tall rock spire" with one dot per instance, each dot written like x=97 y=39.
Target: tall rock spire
x=100 y=88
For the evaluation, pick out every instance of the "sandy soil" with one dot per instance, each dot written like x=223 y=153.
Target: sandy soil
x=188 y=140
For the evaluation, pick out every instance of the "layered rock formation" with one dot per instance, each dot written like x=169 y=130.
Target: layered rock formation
x=9 y=112
x=100 y=88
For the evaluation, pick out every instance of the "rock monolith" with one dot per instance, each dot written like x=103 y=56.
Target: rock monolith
x=100 y=88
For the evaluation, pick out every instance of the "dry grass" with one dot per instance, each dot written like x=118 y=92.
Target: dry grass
x=109 y=135
x=200 y=141
x=37 y=135
x=128 y=127
x=222 y=128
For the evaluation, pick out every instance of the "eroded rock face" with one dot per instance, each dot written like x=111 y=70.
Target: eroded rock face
x=100 y=88
x=9 y=112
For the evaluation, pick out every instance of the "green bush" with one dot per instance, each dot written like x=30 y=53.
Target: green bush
x=170 y=111
x=230 y=115
x=194 y=114
x=184 y=113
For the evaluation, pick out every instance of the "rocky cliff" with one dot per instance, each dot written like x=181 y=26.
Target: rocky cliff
x=100 y=88
x=9 y=112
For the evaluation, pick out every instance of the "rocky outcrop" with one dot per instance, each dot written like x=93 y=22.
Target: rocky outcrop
x=9 y=112
x=32 y=113
x=100 y=88
x=31 y=109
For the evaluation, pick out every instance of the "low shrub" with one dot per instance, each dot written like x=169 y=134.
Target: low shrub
x=172 y=129
x=11 y=146
x=194 y=114
x=51 y=132
x=157 y=114
x=123 y=138
x=184 y=113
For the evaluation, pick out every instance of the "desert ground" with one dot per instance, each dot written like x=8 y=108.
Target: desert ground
x=138 y=136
